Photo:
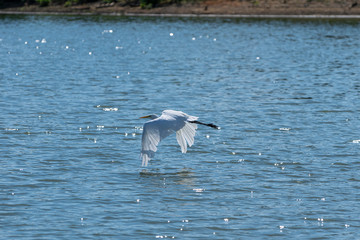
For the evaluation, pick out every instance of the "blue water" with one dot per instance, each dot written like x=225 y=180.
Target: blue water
x=285 y=163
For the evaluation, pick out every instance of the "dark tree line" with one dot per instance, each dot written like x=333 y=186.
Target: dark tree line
x=14 y=3
x=52 y=1
x=142 y=3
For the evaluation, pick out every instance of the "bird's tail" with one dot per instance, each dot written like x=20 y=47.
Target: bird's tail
x=206 y=124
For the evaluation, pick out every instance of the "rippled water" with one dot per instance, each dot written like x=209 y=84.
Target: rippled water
x=285 y=163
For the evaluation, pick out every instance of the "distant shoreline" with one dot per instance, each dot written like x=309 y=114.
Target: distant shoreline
x=294 y=9
x=187 y=15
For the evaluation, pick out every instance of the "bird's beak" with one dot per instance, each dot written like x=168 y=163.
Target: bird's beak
x=147 y=116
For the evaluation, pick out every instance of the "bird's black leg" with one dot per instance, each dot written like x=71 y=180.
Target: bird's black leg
x=206 y=124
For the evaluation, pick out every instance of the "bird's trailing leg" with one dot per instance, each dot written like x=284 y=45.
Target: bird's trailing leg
x=146 y=155
x=206 y=124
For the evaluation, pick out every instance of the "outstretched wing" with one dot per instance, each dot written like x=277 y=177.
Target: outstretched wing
x=185 y=136
x=153 y=132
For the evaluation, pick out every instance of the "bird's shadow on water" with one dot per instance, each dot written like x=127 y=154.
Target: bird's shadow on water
x=184 y=176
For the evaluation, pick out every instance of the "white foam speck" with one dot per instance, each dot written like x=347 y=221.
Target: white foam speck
x=198 y=190
x=90 y=53
x=108 y=31
x=110 y=109
x=137 y=128
x=356 y=141
x=43 y=40
x=164 y=236
x=171 y=34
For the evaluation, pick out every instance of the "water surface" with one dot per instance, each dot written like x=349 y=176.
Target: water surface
x=284 y=164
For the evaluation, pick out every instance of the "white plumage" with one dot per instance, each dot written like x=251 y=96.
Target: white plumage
x=159 y=128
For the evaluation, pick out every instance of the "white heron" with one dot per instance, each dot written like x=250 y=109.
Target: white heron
x=169 y=122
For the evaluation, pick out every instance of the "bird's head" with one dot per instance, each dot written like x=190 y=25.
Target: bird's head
x=151 y=116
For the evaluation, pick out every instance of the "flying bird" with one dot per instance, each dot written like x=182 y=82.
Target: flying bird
x=169 y=122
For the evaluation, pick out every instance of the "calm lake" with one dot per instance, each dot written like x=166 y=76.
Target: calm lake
x=285 y=164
